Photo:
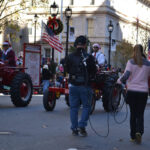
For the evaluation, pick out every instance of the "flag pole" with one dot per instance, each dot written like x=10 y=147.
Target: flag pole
x=60 y=36
x=41 y=31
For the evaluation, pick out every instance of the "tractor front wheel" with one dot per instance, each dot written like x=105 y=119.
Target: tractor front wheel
x=111 y=98
x=21 y=90
x=49 y=100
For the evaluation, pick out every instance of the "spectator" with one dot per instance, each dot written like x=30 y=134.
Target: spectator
x=46 y=76
x=9 y=54
x=52 y=67
x=59 y=79
x=100 y=58
x=60 y=68
x=19 y=61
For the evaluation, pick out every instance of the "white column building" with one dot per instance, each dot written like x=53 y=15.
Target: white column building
x=130 y=19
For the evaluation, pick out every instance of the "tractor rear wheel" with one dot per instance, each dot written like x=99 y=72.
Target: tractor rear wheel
x=67 y=100
x=111 y=98
x=49 y=100
x=93 y=104
x=116 y=97
x=21 y=90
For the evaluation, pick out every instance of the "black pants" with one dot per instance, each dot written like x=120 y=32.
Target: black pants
x=137 y=102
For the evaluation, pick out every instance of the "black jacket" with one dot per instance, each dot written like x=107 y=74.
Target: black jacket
x=46 y=74
x=81 y=67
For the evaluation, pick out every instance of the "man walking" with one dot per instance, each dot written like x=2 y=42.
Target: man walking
x=81 y=68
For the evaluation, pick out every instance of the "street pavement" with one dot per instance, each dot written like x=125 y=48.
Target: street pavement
x=32 y=128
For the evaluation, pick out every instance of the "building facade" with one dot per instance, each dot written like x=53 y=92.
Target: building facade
x=130 y=20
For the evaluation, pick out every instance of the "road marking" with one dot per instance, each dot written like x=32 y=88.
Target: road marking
x=5 y=133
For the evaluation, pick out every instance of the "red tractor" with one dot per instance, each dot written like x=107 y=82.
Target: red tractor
x=104 y=87
x=17 y=83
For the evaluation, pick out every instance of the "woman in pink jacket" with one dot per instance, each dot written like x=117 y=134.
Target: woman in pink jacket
x=136 y=74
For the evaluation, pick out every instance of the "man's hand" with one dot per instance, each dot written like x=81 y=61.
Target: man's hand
x=119 y=82
x=1 y=62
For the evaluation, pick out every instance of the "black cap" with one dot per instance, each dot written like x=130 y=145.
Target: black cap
x=80 y=40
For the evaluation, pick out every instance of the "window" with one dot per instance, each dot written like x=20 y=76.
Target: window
x=90 y=27
x=71 y=2
x=32 y=3
x=47 y=52
x=92 y=2
x=30 y=31
x=70 y=22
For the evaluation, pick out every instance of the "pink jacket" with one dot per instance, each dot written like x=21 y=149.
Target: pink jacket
x=137 y=77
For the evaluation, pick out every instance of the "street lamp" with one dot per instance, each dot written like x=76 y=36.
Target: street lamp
x=110 y=28
x=54 y=12
x=68 y=13
x=35 y=22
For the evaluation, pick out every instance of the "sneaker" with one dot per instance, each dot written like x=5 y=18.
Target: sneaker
x=75 y=132
x=138 y=138
x=82 y=132
x=132 y=140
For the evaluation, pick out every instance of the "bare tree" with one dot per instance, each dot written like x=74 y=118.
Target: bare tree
x=10 y=10
x=124 y=51
x=144 y=35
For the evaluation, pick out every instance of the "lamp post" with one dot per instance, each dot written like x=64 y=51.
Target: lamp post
x=68 y=13
x=54 y=12
x=35 y=22
x=110 y=28
x=137 y=28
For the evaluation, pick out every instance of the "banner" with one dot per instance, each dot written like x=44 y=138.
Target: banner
x=32 y=61
x=71 y=34
x=149 y=49
x=113 y=45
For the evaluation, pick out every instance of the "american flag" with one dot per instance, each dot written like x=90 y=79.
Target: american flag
x=149 y=49
x=51 y=38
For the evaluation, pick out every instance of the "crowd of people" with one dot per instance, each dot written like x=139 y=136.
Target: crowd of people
x=49 y=77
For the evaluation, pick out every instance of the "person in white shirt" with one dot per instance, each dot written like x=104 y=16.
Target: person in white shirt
x=99 y=56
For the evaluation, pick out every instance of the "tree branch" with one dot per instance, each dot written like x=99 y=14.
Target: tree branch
x=10 y=6
x=12 y=13
x=2 y=1
x=3 y=9
x=14 y=5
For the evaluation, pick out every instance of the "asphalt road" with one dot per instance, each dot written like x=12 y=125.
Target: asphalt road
x=32 y=128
